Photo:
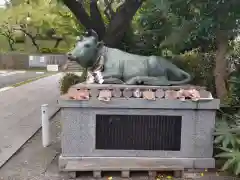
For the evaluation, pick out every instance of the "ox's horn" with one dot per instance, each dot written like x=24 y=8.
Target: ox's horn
x=94 y=34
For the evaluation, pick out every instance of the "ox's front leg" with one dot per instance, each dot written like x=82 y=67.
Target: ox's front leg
x=108 y=79
x=112 y=81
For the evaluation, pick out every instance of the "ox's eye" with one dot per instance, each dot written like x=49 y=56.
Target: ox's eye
x=87 y=45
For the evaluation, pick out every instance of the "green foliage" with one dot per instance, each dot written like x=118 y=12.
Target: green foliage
x=157 y=26
x=205 y=20
x=150 y=28
x=49 y=15
x=228 y=141
x=199 y=65
x=40 y=19
x=69 y=80
x=234 y=78
x=19 y=36
x=234 y=89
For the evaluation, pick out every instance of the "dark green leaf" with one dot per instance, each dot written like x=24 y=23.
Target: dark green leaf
x=224 y=155
x=226 y=141
x=226 y=149
x=237 y=169
x=218 y=139
x=228 y=164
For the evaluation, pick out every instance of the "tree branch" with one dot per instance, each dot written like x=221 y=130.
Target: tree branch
x=78 y=10
x=8 y=33
x=57 y=39
x=9 y=39
x=32 y=38
x=57 y=43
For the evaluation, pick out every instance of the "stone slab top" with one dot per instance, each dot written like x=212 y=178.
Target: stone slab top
x=123 y=86
x=138 y=103
x=105 y=92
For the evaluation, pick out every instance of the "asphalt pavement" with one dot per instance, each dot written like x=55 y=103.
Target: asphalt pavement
x=9 y=78
x=20 y=113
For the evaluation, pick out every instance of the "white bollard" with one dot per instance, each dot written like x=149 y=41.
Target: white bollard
x=45 y=126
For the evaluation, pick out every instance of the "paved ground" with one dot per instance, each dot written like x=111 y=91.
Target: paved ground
x=20 y=115
x=33 y=162
x=8 y=78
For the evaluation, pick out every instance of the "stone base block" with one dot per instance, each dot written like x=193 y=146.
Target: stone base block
x=132 y=163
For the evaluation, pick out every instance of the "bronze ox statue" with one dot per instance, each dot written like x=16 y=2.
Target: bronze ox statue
x=119 y=67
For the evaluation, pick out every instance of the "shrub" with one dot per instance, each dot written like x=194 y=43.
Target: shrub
x=234 y=89
x=69 y=80
x=234 y=77
x=227 y=141
x=200 y=66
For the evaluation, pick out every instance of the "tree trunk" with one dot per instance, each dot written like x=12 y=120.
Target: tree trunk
x=220 y=71
x=78 y=10
x=11 y=43
x=33 y=40
x=121 y=22
x=31 y=37
x=96 y=19
x=57 y=41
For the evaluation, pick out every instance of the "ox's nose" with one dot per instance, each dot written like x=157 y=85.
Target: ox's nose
x=70 y=56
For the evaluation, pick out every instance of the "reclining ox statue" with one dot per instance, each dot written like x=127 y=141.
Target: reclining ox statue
x=119 y=67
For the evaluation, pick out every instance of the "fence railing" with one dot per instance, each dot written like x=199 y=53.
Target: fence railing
x=25 y=61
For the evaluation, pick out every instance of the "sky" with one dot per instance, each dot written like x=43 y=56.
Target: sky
x=2 y=2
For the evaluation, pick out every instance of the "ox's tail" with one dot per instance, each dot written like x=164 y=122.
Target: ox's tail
x=187 y=79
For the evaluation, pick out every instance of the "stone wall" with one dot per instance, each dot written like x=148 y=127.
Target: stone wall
x=26 y=61
x=14 y=61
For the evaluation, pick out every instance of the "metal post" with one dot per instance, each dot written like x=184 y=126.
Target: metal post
x=45 y=126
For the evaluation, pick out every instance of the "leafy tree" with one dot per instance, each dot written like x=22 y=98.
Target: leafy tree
x=213 y=22
x=154 y=27
x=42 y=20
x=234 y=80
x=7 y=31
x=151 y=27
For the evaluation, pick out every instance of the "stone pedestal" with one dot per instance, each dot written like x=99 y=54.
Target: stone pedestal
x=136 y=133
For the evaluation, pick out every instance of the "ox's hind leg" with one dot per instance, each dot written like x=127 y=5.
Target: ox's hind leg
x=147 y=80
x=108 y=79
x=112 y=81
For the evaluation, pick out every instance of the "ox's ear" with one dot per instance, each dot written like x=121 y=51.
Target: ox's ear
x=79 y=38
x=100 y=44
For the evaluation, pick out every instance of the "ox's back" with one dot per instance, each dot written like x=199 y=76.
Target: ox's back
x=120 y=63
x=113 y=53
